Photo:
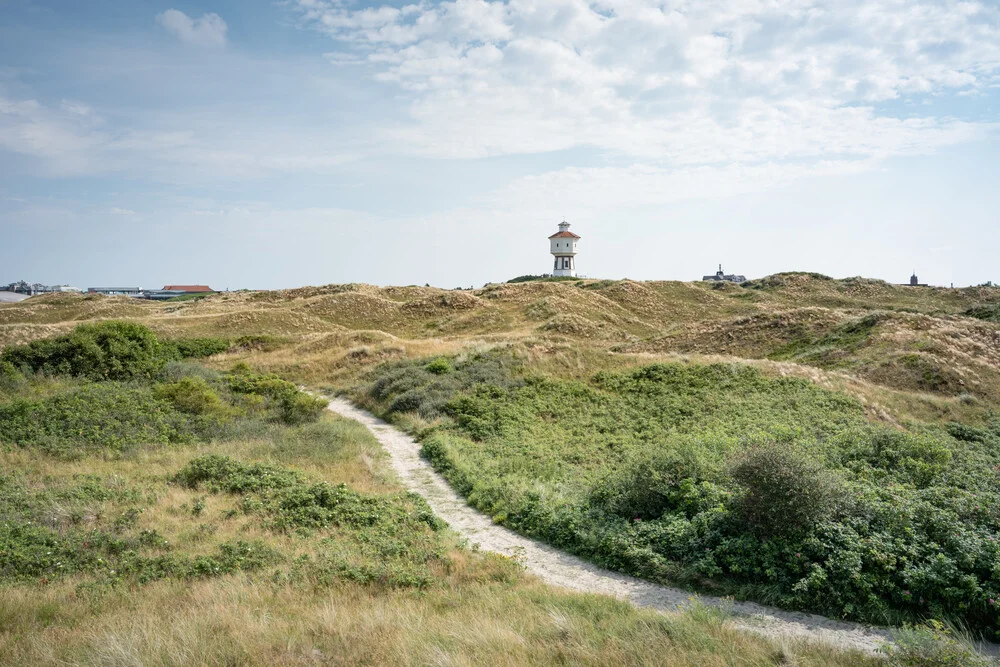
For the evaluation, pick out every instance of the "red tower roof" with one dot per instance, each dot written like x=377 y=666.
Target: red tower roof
x=564 y=235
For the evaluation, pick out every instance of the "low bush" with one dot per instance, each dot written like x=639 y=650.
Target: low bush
x=111 y=547
x=192 y=395
x=104 y=416
x=782 y=492
x=658 y=480
x=387 y=539
x=75 y=418
x=988 y=312
x=194 y=348
x=426 y=387
x=282 y=398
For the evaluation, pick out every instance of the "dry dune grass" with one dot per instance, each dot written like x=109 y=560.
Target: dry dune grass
x=237 y=620
x=920 y=345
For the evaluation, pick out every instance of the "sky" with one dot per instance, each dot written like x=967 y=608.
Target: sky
x=266 y=144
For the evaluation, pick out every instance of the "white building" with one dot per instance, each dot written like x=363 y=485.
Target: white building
x=563 y=246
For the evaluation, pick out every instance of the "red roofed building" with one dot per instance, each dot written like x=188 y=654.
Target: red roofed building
x=563 y=246
x=190 y=289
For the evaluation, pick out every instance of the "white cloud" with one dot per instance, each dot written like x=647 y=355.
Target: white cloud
x=209 y=30
x=676 y=81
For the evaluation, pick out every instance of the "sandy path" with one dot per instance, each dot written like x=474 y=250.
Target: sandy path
x=561 y=569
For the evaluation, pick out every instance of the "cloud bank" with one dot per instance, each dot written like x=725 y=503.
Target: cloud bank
x=673 y=81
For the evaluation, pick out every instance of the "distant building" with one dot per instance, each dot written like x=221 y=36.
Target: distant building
x=116 y=291
x=22 y=287
x=720 y=277
x=188 y=289
x=563 y=244
x=170 y=291
x=915 y=282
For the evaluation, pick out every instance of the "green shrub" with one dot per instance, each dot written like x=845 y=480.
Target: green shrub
x=282 y=398
x=438 y=367
x=838 y=515
x=192 y=395
x=108 y=546
x=427 y=387
x=659 y=480
x=109 y=350
x=177 y=370
x=781 y=492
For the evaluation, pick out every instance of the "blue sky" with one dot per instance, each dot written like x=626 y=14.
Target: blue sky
x=276 y=144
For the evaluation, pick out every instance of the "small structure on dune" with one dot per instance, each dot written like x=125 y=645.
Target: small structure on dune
x=720 y=276
x=562 y=245
x=915 y=282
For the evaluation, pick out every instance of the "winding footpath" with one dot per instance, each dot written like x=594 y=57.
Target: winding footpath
x=561 y=569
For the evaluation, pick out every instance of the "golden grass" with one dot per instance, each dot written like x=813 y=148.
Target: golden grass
x=466 y=621
x=336 y=332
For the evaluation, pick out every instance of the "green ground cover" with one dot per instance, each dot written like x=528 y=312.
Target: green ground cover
x=718 y=477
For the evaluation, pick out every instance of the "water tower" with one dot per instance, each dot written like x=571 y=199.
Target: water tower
x=563 y=247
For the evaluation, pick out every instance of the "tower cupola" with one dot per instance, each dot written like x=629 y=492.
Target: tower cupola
x=563 y=246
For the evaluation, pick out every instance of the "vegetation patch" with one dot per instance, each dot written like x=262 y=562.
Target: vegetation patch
x=385 y=538
x=109 y=350
x=988 y=312
x=833 y=348
x=721 y=478
x=86 y=528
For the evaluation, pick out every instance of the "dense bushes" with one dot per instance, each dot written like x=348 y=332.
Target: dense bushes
x=425 y=387
x=104 y=351
x=194 y=348
x=114 y=350
x=768 y=488
x=104 y=416
x=193 y=395
x=179 y=402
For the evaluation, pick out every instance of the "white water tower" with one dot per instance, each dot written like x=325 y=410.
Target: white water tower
x=563 y=246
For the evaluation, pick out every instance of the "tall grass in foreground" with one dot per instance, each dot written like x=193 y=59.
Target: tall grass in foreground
x=468 y=619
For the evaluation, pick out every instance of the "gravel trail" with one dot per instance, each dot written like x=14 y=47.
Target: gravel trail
x=561 y=569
